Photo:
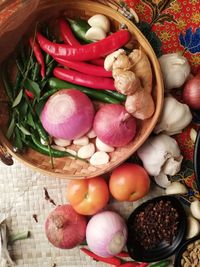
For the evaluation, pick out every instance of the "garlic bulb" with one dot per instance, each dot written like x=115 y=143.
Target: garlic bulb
x=175 y=69
x=174 y=118
x=160 y=154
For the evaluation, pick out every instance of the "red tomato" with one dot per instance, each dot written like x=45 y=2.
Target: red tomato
x=88 y=196
x=129 y=182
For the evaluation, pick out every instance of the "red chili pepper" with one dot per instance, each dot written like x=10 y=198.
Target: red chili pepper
x=130 y=264
x=84 y=67
x=66 y=33
x=88 y=51
x=29 y=94
x=144 y=264
x=111 y=260
x=90 y=81
x=38 y=54
x=98 y=61
x=123 y=254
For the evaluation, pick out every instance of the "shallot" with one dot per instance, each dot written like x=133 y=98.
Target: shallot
x=68 y=114
x=114 y=126
x=191 y=92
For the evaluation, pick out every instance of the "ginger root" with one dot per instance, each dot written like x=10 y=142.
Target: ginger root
x=126 y=82
x=140 y=104
x=122 y=62
x=142 y=68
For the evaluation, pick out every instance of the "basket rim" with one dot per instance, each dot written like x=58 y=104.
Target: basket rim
x=76 y=4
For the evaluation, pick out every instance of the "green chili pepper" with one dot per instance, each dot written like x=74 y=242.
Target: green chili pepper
x=48 y=59
x=48 y=93
x=45 y=150
x=41 y=131
x=55 y=83
x=35 y=74
x=163 y=263
x=79 y=28
x=49 y=69
x=116 y=95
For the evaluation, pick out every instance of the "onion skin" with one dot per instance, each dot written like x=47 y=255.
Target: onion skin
x=68 y=114
x=65 y=228
x=191 y=92
x=114 y=126
x=101 y=231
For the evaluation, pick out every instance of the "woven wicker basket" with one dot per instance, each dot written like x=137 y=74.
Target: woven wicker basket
x=70 y=168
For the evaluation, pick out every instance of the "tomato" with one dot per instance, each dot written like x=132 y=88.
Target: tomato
x=129 y=182
x=88 y=196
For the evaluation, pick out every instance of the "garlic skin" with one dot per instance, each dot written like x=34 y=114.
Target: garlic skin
x=126 y=82
x=174 y=117
x=160 y=154
x=176 y=188
x=175 y=69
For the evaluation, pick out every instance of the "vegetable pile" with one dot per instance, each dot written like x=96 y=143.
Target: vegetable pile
x=60 y=77
x=80 y=94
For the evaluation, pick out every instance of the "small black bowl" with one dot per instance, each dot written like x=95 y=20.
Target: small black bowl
x=197 y=160
x=177 y=262
x=164 y=249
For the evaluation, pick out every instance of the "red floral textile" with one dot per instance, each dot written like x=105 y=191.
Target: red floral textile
x=174 y=26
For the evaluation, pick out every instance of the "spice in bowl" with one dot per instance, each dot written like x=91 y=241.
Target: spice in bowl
x=157 y=222
x=191 y=256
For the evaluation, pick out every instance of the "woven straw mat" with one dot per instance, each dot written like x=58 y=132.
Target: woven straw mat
x=21 y=196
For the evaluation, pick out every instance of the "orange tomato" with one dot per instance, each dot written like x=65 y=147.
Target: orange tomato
x=129 y=182
x=88 y=196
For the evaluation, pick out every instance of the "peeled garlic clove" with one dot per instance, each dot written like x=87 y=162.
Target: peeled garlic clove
x=99 y=158
x=82 y=141
x=86 y=151
x=109 y=60
x=193 y=135
x=195 y=209
x=103 y=147
x=100 y=21
x=193 y=228
x=162 y=180
x=61 y=142
x=91 y=134
x=95 y=34
x=176 y=188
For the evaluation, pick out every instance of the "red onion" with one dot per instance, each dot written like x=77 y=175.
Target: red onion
x=191 y=92
x=114 y=126
x=68 y=114
x=65 y=228
x=106 y=234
